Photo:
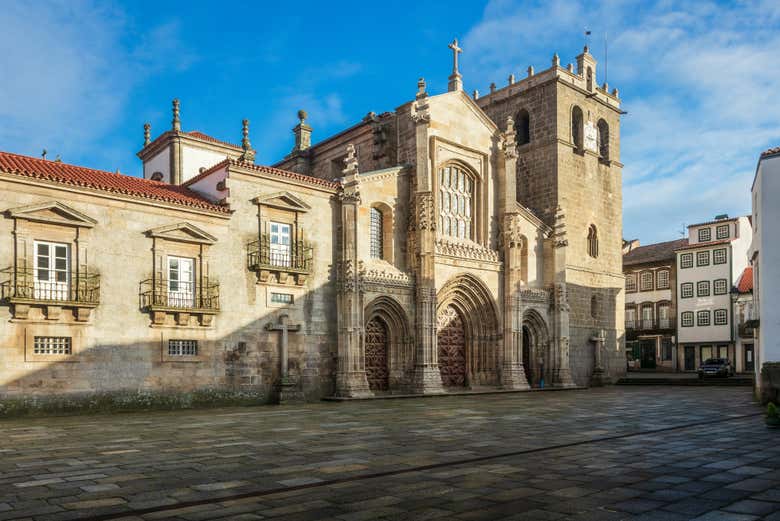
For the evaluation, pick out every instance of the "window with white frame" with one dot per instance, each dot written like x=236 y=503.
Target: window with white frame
x=721 y=317
x=646 y=281
x=720 y=287
x=662 y=279
x=686 y=289
x=456 y=193
x=630 y=317
x=52 y=271
x=52 y=345
x=664 y=315
x=703 y=258
x=281 y=298
x=722 y=231
x=686 y=260
x=181 y=282
x=279 y=252
x=706 y=353
x=703 y=288
x=178 y=347
x=631 y=282
x=723 y=351
x=719 y=256
x=647 y=316
x=375 y=233
x=705 y=234
x=686 y=318
x=703 y=318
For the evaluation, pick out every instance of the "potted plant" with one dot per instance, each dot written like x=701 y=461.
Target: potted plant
x=772 y=416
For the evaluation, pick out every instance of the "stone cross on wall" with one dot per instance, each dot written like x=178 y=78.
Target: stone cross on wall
x=455 y=82
x=285 y=328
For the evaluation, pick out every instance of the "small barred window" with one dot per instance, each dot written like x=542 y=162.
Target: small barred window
x=703 y=318
x=705 y=234
x=686 y=260
x=721 y=317
x=703 y=258
x=646 y=281
x=703 y=289
x=686 y=317
x=376 y=234
x=456 y=191
x=719 y=256
x=722 y=231
x=631 y=282
x=721 y=287
x=182 y=347
x=663 y=279
x=281 y=298
x=52 y=345
x=686 y=289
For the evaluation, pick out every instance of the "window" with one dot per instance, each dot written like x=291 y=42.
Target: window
x=376 y=233
x=281 y=298
x=666 y=349
x=662 y=279
x=703 y=258
x=686 y=289
x=723 y=351
x=523 y=125
x=719 y=256
x=706 y=353
x=686 y=317
x=703 y=288
x=705 y=234
x=664 y=321
x=593 y=241
x=182 y=348
x=52 y=274
x=181 y=291
x=456 y=189
x=722 y=231
x=590 y=79
x=576 y=128
x=603 y=131
x=157 y=176
x=630 y=318
x=647 y=316
x=703 y=318
x=280 y=244
x=52 y=345
x=720 y=287
x=646 y=281
x=686 y=260
x=631 y=282
x=721 y=317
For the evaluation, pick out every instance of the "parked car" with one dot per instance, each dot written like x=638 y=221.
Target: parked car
x=716 y=367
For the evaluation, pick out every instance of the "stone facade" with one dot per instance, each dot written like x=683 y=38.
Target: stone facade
x=421 y=250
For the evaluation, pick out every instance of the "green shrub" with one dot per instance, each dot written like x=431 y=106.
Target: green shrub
x=771 y=411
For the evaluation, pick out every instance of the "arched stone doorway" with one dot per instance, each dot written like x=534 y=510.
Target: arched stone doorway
x=527 y=357
x=536 y=348
x=451 y=340
x=377 y=340
x=467 y=319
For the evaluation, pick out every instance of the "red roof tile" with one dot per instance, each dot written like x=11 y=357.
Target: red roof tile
x=745 y=284
x=770 y=152
x=66 y=174
x=268 y=170
x=205 y=137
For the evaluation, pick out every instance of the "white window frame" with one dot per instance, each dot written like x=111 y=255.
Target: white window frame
x=280 y=245
x=703 y=313
x=703 y=284
x=53 y=345
x=649 y=279
x=181 y=281
x=686 y=315
x=686 y=260
x=52 y=287
x=662 y=284
x=701 y=255
x=723 y=313
x=717 y=253
x=631 y=283
x=182 y=347
x=721 y=227
x=686 y=286
x=457 y=188
x=724 y=287
x=705 y=234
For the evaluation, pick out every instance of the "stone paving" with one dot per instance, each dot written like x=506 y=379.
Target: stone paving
x=571 y=455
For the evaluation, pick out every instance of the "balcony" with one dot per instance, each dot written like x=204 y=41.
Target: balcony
x=77 y=290
x=267 y=259
x=648 y=324
x=180 y=299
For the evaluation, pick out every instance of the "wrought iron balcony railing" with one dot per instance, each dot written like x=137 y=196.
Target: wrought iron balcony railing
x=648 y=324
x=179 y=295
x=78 y=287
x=295 y=257
x=630 y=324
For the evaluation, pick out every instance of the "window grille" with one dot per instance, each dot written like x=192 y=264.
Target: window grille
x=631 y=282
x=721 y=287
x=52 y=345
x=686 y=289
x=281 y=298
x=705 y=234
x=721 y=317
x=703 y=289
x=703 y=318
x=456 y=191
x=182 y=347
x=376 y=234
x=722 y=231
x=703 y=258
x=646 y=281
x=686 y=317
x=663 y=279
x=719 y=256
x=686 y=260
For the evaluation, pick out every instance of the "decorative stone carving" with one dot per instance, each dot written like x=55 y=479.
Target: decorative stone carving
x=347 y=276
x=421 y=114
x=350 y=183
x=383 y=277
x=426 y=218
x=561 y=298
x=540 y=296
x=511 y=234
x=510 y=142
x=465 y=250
x=559 y=229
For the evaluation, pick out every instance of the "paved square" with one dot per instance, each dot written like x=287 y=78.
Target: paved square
x=663 y=453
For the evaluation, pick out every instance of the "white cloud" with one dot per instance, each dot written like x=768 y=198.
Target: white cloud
x=699 y=82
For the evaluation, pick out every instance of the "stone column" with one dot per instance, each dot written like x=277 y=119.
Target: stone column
x=426 y=379
x=597 y=378
x=512 y=370
x=561 y=373
x=351 y=378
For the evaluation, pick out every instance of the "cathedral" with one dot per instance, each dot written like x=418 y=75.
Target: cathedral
x=456 y=243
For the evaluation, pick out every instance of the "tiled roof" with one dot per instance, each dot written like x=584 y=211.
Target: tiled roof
x=653 y=252
x=745 y=284
x=770 y=152
x=268 y=170
x=704 y=244
x=205 y=137
x=66 y=174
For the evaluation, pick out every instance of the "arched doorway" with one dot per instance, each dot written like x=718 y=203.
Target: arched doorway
x=536 y=348
x=451 y=339
x=376 y=344
x=529 y=374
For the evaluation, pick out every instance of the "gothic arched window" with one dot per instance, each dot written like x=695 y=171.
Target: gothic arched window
x=593 y=241
x=523 y=125
x=576 y=127
x=456 y=193
x=376 y=233
x=603 y=130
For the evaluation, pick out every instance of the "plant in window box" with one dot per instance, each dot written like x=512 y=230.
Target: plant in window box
x=772 y=416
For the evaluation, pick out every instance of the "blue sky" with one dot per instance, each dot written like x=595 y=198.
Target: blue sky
x=699 y=79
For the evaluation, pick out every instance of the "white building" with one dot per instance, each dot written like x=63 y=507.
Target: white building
x=765 y=258
x=744 y=321
x=707 y=269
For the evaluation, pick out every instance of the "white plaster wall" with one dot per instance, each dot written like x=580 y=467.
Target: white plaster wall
x=159 y=163
x=194 y=158
x=767 y=187
x=207 y=186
